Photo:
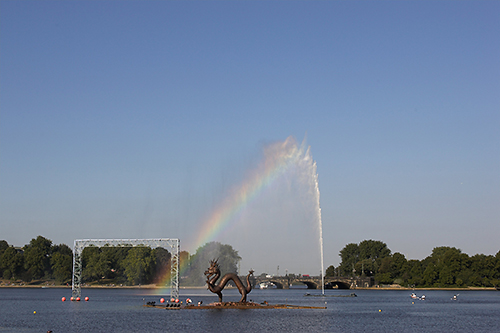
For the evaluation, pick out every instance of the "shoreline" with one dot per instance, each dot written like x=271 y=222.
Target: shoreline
x=429 y=288
x=153 y=286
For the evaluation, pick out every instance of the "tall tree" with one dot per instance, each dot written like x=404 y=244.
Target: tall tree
x=95 y=265
x=228 y=261
x=371 y=249
x=363 y=259
x=61 y=262
x=37 y=257
x=12 y=263
x=349 y=256
x=139 y=265
x=114 y=257
x=330 y=271
x=162 y=264
x=3 y=246
x=430 y=275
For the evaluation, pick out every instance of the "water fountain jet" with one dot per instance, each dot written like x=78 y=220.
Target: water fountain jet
x=265 y=203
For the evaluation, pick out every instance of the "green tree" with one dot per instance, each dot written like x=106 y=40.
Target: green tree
x=349 y=256
x=12 y=263
x=366 y=267
x=430 y=275
x=139 y=265
x=162 y=264
x=330 y=271
x=228 y=261
x=398 y=263
x=37 y=257
x=496 y=277
x=61 y=262
x=3 y=246
x=384 y=278
x=114 y=257
x=363 y=259
x=384 y=274
x=484 y=270
x=415 y=273
x=95 y=265
x=449 y=267
x=371 y=249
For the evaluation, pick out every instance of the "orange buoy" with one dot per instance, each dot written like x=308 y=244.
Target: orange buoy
x=63 y=299
x=86 y=299
x=162 y=300
x=78 y=299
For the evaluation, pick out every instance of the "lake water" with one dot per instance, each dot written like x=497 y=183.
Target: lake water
x=122 y=310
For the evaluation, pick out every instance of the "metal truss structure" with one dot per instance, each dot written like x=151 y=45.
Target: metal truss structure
x=173 y=243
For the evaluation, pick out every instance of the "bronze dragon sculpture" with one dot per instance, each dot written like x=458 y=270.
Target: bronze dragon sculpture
x=213 y=274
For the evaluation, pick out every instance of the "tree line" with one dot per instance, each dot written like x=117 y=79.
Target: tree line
x=41 y=260
x=444 y=267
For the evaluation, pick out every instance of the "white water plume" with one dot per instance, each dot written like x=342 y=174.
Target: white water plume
x=281 y=218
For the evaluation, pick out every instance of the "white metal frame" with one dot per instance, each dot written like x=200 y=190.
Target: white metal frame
x=80 y=244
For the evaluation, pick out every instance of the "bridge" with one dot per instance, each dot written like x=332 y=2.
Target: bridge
x=314 y=282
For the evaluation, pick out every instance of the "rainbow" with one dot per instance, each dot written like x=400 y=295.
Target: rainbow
x=278 y=158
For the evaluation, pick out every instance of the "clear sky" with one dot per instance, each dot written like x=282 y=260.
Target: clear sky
x=135 y=119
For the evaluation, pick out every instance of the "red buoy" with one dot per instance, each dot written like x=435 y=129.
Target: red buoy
x=63 y=299
x=177 y=300
x=172 y=300
x=162 y=300
x=86 y=299
x=72 y=298
x=78 y=299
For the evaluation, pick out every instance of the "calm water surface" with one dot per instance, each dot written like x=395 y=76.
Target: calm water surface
x=122 y=310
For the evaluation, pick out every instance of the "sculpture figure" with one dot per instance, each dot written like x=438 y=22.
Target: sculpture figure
x=213 y=274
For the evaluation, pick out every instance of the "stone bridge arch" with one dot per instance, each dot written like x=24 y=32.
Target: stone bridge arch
x=337 y=284
x=278 y=283
x=310 y=284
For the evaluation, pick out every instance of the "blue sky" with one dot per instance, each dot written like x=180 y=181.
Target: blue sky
x=133 y=119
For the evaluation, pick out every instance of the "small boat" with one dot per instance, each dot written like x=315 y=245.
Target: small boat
x=455 y=297
x=267 y=285
x=414 y=296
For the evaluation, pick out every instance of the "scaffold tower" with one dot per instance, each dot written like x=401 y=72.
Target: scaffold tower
x=173 y=243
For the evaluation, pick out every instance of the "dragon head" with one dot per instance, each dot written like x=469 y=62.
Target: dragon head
x=214 y=268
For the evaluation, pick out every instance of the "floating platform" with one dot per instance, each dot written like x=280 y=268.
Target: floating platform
x=350 y=295
x=230 y=305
